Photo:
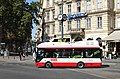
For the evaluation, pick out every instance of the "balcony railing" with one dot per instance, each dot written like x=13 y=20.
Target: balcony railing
x=64 y=1
x=76 y=30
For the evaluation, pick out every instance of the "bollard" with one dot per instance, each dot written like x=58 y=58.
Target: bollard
x=110 y=56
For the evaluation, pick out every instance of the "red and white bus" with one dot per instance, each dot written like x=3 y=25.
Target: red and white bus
x=62 y=54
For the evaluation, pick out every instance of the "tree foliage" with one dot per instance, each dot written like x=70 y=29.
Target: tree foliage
x=35 y=8
x=16 y=20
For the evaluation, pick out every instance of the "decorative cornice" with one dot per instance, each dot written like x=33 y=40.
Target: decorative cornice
x=117 y=11
x=99 y=11
x=68 y=1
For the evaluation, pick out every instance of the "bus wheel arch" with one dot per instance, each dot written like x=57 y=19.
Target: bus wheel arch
x=48 y=64
x=80 y=65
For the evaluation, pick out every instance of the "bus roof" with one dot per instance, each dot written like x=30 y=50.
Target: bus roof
x=79 y=44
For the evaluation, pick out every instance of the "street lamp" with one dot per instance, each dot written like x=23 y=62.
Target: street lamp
x=62 y=17
x=62 y=24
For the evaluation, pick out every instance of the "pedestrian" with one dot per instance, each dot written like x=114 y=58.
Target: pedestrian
x=20 y=56
x=34 y=54
x=20 y=53
x=2 y=52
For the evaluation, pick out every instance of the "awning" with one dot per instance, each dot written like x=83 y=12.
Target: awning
x=114 y=36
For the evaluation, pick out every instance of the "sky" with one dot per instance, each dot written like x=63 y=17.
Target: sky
x=34 y=26
x=31 y=1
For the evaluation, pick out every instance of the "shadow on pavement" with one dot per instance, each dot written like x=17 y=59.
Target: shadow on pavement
x=105 y=66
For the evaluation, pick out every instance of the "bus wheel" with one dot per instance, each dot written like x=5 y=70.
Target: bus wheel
x=80 y=65
x=48 y=65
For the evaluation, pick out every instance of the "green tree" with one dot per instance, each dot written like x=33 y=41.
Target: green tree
x=35 y=8
x=16 y=20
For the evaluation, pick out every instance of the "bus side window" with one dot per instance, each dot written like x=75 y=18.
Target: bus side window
x=60 y=54
x=88 y=53
x=97 y=53
x=55 y=54
x=78 y=54
x=47 y=55
x=65 y=54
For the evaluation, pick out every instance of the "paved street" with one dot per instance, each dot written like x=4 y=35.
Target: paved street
x=15 y=71
x=26 y=70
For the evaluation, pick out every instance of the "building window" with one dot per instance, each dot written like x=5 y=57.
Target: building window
x=53 y=14
x=118 y=4
x=47 y=16
x=78 y=6
x=48 y=29
x=60 y=9
x=53 y=29
x=53 y=2
x=111 y=22
x=69 y=25
x=88 y=5
x=99 y=4
x=60 y=27
x=69 y=8
x=111 y=4
x=99 y=22
x=88 y=23
x=118 y=23
x=48 y=3
x=78 y=23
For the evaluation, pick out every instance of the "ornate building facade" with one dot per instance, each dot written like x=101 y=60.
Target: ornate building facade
x=86 y=19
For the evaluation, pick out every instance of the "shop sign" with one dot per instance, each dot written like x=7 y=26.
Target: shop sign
x=73 y=16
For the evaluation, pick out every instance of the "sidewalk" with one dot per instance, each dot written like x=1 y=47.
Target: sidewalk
x=111 y=60
x=16 y=59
